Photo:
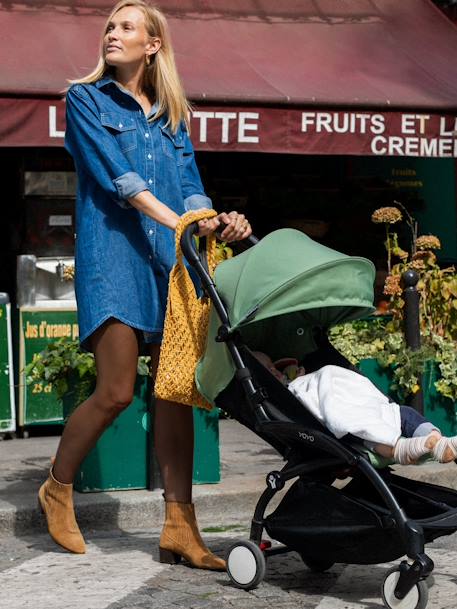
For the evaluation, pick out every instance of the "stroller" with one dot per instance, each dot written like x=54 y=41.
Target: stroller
x=280 y=297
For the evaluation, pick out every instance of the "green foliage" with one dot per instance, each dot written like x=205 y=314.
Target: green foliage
x=63 y=363
x=379 y=339
x=447 y=363
x=437 y=288
x=359 y=339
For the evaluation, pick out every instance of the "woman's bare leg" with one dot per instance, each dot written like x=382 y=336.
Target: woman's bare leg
x=174 y=443
x=115 y=347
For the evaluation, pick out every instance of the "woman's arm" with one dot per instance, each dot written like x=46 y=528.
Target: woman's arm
x=96 y=151
x=148 y=204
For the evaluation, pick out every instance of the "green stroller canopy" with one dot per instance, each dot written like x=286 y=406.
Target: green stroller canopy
x=276 y=293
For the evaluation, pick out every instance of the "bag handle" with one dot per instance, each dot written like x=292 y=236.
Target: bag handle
x=184 y=221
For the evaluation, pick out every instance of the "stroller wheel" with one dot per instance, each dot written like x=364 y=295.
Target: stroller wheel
x=317 y=566
x=417 y=597
x=246 y=564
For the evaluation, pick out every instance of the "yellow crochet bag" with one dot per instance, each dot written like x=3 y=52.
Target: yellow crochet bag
x=186 y=325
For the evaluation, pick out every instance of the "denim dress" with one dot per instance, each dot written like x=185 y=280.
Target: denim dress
x=122 y=257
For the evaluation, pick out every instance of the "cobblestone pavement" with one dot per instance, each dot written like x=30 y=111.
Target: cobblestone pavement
x=121 y=571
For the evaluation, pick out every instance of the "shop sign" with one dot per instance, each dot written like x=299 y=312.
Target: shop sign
x=281 y=130
x=327 y=132
x=38 y=402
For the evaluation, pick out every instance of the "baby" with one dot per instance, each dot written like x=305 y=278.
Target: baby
x=348 y=403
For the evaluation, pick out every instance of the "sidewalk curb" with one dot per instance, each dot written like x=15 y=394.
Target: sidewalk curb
x=215 y=505
x=134 y=510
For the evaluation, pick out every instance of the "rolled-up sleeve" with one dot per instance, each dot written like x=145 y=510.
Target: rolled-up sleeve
x=192 y=188
x=96 y=151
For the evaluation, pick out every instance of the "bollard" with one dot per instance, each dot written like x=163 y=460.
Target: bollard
x=412 y=325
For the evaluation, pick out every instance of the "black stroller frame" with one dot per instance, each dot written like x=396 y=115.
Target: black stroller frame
x=315 y=456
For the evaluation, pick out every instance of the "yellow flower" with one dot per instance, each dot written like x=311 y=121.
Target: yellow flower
x=68 y=272
x=223 y=252
x=428 y=242
x=386 y=215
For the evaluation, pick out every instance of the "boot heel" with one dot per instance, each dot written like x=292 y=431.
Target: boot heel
x=169 y=557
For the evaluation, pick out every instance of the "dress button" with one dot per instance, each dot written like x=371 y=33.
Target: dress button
x=150 y=181
x=146 y=135
x=150 y=256
x=149 y=156
x=120 y=125
x=150 y=231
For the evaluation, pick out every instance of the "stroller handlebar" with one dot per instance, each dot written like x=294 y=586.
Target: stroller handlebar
x=189 y=248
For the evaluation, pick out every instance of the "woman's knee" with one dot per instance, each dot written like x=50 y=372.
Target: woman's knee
x=114 y=400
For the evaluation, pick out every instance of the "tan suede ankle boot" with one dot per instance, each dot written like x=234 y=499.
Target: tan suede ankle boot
x=181 y=538
x=56 y=502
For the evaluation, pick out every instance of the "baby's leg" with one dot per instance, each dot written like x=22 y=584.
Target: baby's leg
x=408 y=450
x=382 y=449
x=414 y=424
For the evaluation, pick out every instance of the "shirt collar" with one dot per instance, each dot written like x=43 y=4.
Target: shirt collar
x=155 y=107
x=106 y=80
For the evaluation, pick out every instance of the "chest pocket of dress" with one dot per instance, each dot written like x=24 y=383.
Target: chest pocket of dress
x=122 y=127
x=172 y=144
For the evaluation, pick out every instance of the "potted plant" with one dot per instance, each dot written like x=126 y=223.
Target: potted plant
x=378 y=345
x=71 y=371
x=121 y=457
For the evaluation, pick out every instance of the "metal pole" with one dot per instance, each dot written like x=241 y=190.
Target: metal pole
x=412 y=325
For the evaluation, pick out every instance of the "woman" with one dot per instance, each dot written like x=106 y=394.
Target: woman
x=127 y=126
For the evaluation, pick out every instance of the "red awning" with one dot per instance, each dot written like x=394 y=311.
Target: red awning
x=309 y=76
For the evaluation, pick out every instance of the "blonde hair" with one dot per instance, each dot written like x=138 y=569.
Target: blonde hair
x=160 y=77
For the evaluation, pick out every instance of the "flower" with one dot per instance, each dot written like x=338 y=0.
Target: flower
x=392 y=285
x=417 y=265
x=386 y=215
x=422 y=258
x=428 y=242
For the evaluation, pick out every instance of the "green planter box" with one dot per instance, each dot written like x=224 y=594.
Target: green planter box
x=207 y=469
x=121 y=458
x=439 y=410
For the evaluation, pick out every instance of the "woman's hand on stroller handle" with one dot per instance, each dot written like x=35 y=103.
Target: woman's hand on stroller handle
x=208 y=226
x=236 y=228
x=232 y=226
